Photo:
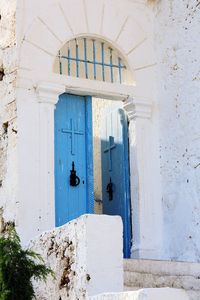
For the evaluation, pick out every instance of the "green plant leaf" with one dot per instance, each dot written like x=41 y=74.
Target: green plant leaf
x=18 y=267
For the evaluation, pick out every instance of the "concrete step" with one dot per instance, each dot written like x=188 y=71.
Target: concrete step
x=158 y=274
x=164 y=267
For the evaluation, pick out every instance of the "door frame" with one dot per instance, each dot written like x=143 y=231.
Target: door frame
x=89 y=153
x=128 y=216
x=139 y=112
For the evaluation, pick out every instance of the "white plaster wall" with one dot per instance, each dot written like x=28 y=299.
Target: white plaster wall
x=98 y=107
x=176 y=31
x=82 y=258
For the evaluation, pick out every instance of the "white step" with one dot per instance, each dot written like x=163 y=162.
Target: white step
x=145 y=294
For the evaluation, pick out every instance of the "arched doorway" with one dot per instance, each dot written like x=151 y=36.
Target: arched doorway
x=81 y=143
x=127 y=25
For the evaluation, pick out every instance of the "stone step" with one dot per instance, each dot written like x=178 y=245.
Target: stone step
x=140 y=274
x=149 y=280
x=162 y=267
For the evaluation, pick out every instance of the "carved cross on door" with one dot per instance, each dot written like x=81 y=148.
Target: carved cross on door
x=111 y=146
x=72 y=132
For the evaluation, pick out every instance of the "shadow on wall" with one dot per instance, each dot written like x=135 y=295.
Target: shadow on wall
x=97 y=176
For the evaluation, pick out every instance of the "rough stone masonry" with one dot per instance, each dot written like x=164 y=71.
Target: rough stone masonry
x=8 y=114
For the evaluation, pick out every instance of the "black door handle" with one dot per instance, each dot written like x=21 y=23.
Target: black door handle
x=109 y=189
x=74 y=179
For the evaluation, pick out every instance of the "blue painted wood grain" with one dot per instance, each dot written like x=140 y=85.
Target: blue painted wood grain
x=89 y=156
x=115 y=165
x=71 y=202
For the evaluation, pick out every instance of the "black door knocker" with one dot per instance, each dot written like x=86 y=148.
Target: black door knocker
x=109 y=190
x=74 y=179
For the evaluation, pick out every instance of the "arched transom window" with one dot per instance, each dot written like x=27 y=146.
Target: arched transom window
x=93 y=59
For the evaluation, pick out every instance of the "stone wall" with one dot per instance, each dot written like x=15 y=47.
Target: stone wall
x=8 y=114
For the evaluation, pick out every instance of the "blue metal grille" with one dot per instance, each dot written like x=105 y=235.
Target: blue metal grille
x=91 y=59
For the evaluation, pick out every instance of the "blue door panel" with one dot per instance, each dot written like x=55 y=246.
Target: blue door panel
x=73 y=127
x=115 y=166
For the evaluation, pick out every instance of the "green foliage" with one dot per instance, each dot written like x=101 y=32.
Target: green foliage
x=18 y=267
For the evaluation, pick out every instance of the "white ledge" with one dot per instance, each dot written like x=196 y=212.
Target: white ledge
x=138 y=109
x=78 y=86
x=49 y=92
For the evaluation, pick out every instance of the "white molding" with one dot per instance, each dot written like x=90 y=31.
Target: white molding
x=49 y=92
x=138 y=109
x=58 y=84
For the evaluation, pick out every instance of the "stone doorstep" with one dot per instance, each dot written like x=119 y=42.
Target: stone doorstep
x=140 y=274
x=162 y=267
x=145 y=294
x=158 y=274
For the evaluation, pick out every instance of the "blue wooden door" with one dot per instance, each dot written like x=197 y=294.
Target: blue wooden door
x=73 y=147
x=115 y=171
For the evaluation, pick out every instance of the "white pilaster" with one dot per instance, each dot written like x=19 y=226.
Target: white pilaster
x=48 y=96
x=145 y=181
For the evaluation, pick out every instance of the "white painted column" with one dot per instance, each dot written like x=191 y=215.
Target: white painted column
x=145 y=181
x=47 y=96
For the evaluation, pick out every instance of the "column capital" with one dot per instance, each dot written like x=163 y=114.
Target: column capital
x=138 y=108
x=49 y=92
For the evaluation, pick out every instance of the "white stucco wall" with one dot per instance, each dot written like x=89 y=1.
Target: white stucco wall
x=159 y=40
x=177 y=49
